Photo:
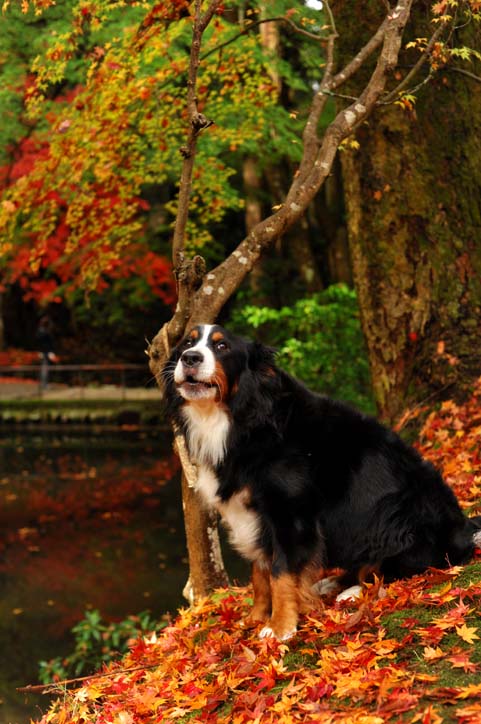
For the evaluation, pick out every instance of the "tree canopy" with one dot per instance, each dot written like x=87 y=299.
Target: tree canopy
x=94 y=124
x=95 y=116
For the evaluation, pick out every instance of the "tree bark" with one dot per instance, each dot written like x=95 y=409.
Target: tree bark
x=413 y=196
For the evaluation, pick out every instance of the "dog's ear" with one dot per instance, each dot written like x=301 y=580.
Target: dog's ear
x=261 y=358
x=171 y=398
x=257 y=388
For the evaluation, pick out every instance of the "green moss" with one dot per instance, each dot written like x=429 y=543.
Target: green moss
x=295 y=660
x=471 y=573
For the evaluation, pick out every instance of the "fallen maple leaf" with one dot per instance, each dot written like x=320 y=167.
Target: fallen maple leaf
x=428 y=716
x=469 y=714
x=467 y=633
x=433 y=654
x=460 y=660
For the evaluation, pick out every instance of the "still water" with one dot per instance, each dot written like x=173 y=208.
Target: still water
x=89 y=519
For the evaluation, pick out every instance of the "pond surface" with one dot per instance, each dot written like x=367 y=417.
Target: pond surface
x=89 y=519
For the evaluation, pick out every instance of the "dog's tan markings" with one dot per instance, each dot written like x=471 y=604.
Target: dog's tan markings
x=262 y=595
x=221 y=381
x=217 y=336
x=306 y=597
x=194 y=334
x=367 y=573
x=285 y=605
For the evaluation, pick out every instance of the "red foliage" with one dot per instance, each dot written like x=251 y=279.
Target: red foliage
x=17 y=357
x=28 y=152
x=42 y=264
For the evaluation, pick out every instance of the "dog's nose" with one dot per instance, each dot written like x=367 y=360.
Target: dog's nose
x=190 y=358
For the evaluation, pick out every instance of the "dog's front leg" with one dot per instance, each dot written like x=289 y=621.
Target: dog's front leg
x=262 y=594
x=285 y=607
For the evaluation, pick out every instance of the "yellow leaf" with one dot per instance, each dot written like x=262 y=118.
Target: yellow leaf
x=433 y=654
x=467 y=633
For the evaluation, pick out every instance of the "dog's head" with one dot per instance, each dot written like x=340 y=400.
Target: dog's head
x=213 y=365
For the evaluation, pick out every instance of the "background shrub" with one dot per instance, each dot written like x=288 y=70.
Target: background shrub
x=319 y=341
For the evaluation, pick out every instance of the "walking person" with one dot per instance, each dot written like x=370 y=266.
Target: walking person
x=45 y=345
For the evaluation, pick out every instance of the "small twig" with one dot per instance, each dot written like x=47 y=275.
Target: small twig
x=408 y=91
x=49 y=688
x=392 y=95
x=467 y=73
x=310 y=138
x=197 y=123
x=331 y=18
x=328 y=92
x=401 y=422
x=256 y=23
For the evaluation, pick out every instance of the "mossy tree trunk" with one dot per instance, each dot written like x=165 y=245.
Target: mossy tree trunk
x=413 y=197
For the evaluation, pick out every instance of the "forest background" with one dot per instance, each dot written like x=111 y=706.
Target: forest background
x=93 y=122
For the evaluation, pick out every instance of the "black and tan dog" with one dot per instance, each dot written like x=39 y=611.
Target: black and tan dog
x=303 y=482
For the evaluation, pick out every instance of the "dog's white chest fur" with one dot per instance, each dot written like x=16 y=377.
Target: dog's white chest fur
x=207 y=432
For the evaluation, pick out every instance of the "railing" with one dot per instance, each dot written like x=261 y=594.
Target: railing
x=122 y=375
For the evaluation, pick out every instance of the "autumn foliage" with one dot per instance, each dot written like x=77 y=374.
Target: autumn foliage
x=405 y=652
x=84 y=184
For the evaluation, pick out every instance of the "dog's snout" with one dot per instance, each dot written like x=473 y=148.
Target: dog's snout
x=191 y=358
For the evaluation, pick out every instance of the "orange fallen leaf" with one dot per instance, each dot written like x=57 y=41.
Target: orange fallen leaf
x=460 y=660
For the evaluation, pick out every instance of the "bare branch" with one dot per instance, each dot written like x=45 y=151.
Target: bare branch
x=467 y=73
x=56 y=686
x=197 y=123
x=255 y=24
x=226 y=277
x=310 y=140
x=416 y=68
x=189 y=275
x=207 y=16
x=332 y=22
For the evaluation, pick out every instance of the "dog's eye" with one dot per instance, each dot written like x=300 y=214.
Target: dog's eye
x=188 y=343
x=221 y=346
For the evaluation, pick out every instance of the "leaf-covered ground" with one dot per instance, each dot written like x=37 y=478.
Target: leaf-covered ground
x=406 y=652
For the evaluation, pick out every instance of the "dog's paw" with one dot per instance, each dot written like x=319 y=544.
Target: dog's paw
x=349 y=594
x=268 y=632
